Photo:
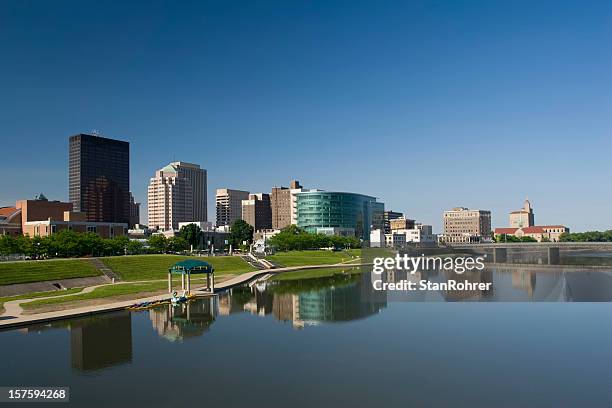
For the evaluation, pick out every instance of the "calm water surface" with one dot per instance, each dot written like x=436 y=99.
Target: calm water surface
x=334 y=341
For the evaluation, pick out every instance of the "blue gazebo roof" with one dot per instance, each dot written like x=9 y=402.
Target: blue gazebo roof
x=191 y=266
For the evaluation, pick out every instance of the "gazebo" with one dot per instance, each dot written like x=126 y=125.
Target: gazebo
x=190 y=267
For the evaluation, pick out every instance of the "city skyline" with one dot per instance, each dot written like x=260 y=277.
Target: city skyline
x=488 y=104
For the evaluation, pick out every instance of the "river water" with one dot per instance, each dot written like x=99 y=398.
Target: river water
x=537 y=339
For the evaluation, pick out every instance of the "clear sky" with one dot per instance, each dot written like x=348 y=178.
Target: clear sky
x=427 y=105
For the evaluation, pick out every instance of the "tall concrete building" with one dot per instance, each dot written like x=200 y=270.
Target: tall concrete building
x=198 y=180
x=99 y=178
x=462 y=225
x=280 y=201
x=229 y=205
x=257 y=211
x=523 y=217
x=170 y=199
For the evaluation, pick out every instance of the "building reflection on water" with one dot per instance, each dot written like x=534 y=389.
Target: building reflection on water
x=341 y=297
x=101 y=341
x=96 y=342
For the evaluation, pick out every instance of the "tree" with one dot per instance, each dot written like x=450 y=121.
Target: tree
x=135 y=247
x=8 y=245
x=158 y=244
x=240 y=232
x=177 y=244
x=191 y=233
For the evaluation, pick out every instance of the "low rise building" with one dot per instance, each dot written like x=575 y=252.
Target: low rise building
x=401 y=223
x=139 y=231
x=203 y=225
x=10 y=221
x=41 y=217
x=74 y=221
x=540 y=233
x=377 y=238
x=388 y=216
x=420 y=234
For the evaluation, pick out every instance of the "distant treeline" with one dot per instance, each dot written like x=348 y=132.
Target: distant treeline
x=294 y=238
x=66 y=244
x=589 y=236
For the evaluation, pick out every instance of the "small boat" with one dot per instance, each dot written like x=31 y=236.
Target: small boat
x=175 y=300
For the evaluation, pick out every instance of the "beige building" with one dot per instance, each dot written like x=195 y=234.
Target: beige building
x=198 y=180
x=540 y=233
x=401 y=223
x=281 y=203
x=170 y=199
x=462 y=225
x=257 y=211
x=523 y=217
x=229 y=205
x=74 y=221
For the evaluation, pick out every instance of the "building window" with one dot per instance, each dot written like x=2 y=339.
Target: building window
x=53 y=229
x=91 y=229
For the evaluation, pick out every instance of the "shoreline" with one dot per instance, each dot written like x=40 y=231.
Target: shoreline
x=10 y=322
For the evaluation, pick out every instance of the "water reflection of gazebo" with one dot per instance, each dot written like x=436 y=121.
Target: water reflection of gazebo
x=190 y=267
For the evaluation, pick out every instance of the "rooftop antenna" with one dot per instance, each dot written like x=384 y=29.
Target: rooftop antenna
x=96 y=132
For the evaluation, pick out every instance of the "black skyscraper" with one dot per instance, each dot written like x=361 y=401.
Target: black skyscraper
x=99 y=176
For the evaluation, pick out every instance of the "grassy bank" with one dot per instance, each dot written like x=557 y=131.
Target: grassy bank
x=315 y=273
x=150 y=267
x=101 y=292
x=315 y=257
x=37 y=271
x=35 y=295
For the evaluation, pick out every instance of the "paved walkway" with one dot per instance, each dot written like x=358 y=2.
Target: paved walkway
x=102 y=267
x=13 y=316
x=48 y=286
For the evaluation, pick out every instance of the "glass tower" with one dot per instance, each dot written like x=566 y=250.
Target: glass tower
x=338 y=212
x=99 y=177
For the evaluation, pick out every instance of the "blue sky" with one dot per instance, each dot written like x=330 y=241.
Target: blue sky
x=427 y=105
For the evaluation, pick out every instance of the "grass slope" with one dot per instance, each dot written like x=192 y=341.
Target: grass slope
x=315 y=257
x=35 y=295
x=314 y=273
x=102 y=292
x=37 y=271
x=149 y=267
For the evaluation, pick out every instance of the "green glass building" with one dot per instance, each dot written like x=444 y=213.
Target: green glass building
x=338 y=213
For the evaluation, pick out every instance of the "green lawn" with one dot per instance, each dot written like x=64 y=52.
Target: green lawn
x=149 y=267
x=34 y=295
x=36 y=271
x=315 y=257
x=101 y=292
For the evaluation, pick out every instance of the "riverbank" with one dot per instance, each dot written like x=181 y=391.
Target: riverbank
x=8 y=321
